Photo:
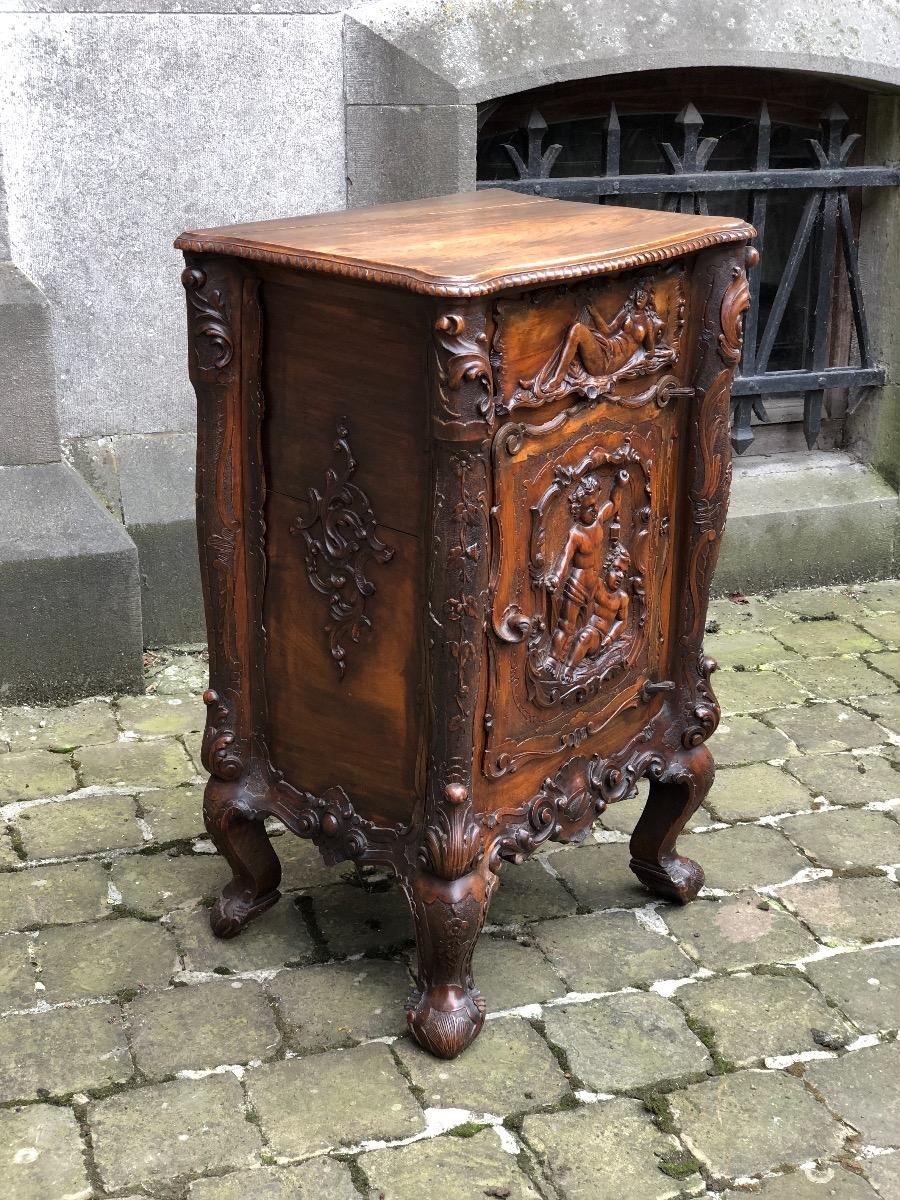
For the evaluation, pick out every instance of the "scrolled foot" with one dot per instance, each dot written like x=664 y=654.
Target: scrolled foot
x=674 y=877
x=676 y=791
x=230 y=914
x=445 y=1020
x=233 y=814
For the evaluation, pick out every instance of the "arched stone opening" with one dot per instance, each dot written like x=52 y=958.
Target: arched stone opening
x=418 y=78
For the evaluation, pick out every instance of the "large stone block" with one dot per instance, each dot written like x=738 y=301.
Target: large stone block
x=407 y=152
x=220 y=116
x=156 y=480
x=822 y=518
x=70 y=606
x=472 y=50
x=28 y=429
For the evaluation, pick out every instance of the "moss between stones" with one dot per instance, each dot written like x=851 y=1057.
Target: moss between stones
x=679 y=1165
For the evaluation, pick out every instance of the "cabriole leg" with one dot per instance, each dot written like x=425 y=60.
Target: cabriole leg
x=675 y=794
x=446 y=1010
x=239 y=834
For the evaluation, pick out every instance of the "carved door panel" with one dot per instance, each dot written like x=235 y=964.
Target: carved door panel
x=583 y=500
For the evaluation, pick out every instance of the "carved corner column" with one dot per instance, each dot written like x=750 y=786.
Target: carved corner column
x=678 y=787
x=450 y=887
x=224 y=347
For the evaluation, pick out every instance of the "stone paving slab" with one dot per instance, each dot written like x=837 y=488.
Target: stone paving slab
x=510 y=974
x=749 y=648
x=742 y=740
x=788 y=1126
x=318 y=1179
x=837 y=678
x=847 y=910
x=814 y=639
x=752 y=1017
x=599 y=877
x=633 y=1041
x=153 y=884
x=161 y=716
x=865 y=985
x=846 y=838
x=33 y=774
x=611 y=1149
x=151 y=764
x=191 y=1028
x=883 y=709
x=745 y=692
x=825 y=728
x=63 y=1051
x=530 y=893
x=819 y=603
x=327 y=969
x=341 y=1004
x=468 y=1168
x=346 y=1097
x=279 y=938
x=54 y=895
x=740 y=932
x=58 y=729
x=17 y=978
x=84 y=825
x=609 y=951
x=356 y=921
x=104 y=958
x=848 y=779
x=172 y=1129
x=744 y=856
x=173 y=814
x=41 y=1154
x=510 y=1069
x=884 y=1172
x=887 y=663
x=863 y=1089
x=748 y=793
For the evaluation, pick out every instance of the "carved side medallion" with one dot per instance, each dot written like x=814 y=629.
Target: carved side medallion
x=338 y=527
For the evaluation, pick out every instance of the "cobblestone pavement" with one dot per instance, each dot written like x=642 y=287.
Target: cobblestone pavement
x=635 y=1050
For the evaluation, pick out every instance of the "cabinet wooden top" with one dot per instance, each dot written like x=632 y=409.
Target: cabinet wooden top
x=471 y=244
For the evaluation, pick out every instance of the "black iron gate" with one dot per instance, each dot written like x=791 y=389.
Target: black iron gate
x=825 y=240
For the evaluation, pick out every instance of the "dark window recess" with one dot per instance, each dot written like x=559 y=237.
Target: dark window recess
x=782 y=151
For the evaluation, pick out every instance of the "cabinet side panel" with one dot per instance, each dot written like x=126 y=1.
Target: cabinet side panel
x=346 y=467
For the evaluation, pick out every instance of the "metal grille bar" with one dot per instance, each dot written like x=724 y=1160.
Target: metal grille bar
x=825 y=227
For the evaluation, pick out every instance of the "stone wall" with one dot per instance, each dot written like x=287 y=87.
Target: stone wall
x=119 y=130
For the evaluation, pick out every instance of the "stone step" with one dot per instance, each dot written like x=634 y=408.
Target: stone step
x=70 y=599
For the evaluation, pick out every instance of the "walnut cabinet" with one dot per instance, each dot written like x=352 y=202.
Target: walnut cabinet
x=463 y=468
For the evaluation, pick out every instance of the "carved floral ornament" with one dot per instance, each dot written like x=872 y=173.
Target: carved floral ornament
x=338 y=527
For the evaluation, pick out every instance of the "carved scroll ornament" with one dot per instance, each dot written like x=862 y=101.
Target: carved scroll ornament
x=211 y=327
x=338 y=526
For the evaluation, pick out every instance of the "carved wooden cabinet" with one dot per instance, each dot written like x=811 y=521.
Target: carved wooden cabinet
x=463 y=468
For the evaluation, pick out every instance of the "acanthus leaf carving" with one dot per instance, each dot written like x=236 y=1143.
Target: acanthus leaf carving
x=210 y=320
x=451 y=843
x=338 y=527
